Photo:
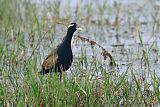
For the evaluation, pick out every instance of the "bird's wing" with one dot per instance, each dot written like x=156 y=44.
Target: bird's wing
x=50 y=60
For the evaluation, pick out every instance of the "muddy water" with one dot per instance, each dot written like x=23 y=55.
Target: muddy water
x=120 y=37
x=117 y=26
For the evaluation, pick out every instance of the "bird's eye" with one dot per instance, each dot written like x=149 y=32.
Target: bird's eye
x=70 y=25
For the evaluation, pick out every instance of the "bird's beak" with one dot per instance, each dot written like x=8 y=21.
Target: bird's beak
x=79 y=28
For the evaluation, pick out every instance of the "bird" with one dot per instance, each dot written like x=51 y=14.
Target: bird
x=60 y=58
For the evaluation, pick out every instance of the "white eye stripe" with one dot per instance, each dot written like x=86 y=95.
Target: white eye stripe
x=70 y=25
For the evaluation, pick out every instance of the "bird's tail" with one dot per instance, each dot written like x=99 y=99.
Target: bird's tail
x=42 y=72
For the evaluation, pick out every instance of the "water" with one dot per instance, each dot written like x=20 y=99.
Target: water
x=98 y=20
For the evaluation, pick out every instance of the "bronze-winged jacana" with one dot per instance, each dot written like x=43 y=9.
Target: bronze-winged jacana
x=60 y=59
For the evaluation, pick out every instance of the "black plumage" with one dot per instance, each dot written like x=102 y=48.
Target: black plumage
x=60 y=59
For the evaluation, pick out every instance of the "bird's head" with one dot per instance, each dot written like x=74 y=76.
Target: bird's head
x=73 y=27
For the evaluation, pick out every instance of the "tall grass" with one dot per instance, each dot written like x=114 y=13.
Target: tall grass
x=22 y=33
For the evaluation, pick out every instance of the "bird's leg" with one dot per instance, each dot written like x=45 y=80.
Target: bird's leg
x=60 y=76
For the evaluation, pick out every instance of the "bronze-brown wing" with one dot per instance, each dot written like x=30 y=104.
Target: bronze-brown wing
x=50 y=60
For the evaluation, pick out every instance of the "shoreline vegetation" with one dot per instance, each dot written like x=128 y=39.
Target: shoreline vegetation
x=124 y=34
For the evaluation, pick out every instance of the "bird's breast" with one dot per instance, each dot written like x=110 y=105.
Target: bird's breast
x=65 y=57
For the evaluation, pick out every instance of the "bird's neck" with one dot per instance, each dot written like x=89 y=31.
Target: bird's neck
x=68 y=38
